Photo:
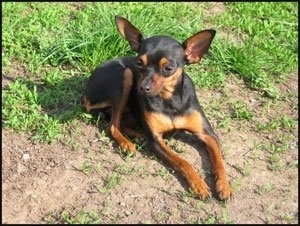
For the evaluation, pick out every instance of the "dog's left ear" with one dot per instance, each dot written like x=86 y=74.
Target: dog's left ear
x=197 y=45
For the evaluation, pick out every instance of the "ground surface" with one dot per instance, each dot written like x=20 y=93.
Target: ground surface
x=84 y=177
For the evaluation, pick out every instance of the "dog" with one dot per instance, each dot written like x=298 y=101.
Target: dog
x=161 y=96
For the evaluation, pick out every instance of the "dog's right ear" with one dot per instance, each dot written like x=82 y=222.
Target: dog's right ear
x=129 y=32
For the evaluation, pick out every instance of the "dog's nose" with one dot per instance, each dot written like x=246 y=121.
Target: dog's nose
x=147 y=89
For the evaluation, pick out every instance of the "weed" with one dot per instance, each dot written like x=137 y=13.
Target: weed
x=111 y=183
x=224 y=123
x=265 y=188
x=275 y=150
x=186 y=195
x=163 y=172
x=210 y=220
x=78 y=46
x=241 y=111
x=267 y=33
x=235 y=185
x=245 y=170
x=65 y=217
x=289 y=217
x=175 y=144
x=86 y=167
x=48 y=96
x=124 y=169
x=82 y=217
x=225 y=219
x=281 y=122
x=46 y=74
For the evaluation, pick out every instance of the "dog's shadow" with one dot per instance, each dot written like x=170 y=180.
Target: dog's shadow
x=61 y=101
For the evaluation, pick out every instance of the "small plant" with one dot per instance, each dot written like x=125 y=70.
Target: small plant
x=211 y=219
x=65 y=217
x=281 y=122
x=112 y=182
x=163 y=172
x=82 y=217
x=86 y=167
x=265 y=188
x=241 y=111
x=256 y=44
x=124 y=169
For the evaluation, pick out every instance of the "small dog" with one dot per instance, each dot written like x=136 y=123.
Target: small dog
x=161 y=96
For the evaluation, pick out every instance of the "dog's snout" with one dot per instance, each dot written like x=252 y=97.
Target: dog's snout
x=146 y=86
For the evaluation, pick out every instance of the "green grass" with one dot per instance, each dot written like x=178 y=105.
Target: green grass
x=82 y=217
x=49 y=50
x=269 y=48
x=114 y=180
x=241 y=111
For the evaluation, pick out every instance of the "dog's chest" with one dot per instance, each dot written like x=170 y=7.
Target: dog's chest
x=172 y=107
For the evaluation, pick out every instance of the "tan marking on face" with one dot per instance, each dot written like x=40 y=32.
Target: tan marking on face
x=163 y=62
x=164 y=86
x=169 y=84
x=157 y=83
x=144 y=59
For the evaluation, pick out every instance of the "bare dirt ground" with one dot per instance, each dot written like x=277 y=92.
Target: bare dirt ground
x=41 y=181
x=83 y=172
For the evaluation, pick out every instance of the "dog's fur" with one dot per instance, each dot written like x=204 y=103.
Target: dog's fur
x=161 y=96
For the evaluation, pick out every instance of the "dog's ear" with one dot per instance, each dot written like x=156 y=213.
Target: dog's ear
x=129 y=32
x=197 y=45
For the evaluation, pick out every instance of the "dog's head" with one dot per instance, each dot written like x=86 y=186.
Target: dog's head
x=161 y=58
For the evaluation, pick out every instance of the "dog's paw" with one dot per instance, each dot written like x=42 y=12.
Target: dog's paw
x=128 y=147
x=200 y=188
x=223 y=189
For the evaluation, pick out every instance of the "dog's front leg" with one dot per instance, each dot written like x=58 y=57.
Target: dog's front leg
x=196 y=183
x=213 y=148
x=196 y=123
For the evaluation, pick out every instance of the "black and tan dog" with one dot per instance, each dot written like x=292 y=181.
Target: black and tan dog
x=160 y=95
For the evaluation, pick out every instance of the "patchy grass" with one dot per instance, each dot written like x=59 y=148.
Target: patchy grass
x=58 y=62
x=49 y=50
x=271 y=32
x=82 y=217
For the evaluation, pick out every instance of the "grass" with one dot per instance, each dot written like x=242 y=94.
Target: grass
x=271 y=32
x=62 y=48
x=112 y=182
x=82 y=217
x=49 y=50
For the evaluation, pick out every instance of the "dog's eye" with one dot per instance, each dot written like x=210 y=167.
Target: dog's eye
x=168 y=68
x=139 y=64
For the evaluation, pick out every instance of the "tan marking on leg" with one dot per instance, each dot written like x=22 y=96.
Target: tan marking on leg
x=88 y=106
x=193 y=123
x=117 y=111
x=159 y=124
